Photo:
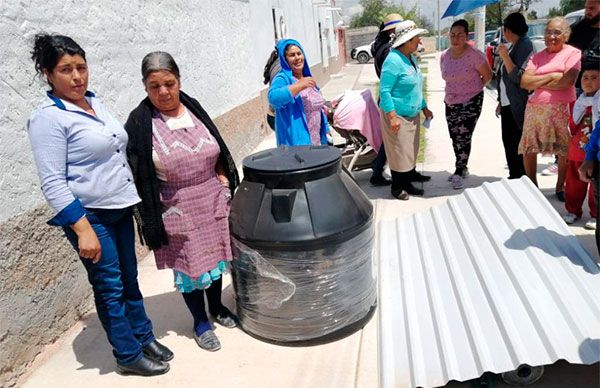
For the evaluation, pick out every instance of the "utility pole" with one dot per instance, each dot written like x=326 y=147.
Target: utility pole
x=480 y=27
x=439 y=39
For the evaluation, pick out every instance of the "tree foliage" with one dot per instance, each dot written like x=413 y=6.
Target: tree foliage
x=523 y=5
x=567 y=6
x=374 y=12
x=552 y=12
x=495 y=13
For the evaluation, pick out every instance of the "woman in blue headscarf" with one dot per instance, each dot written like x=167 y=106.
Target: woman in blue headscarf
x=298 y=103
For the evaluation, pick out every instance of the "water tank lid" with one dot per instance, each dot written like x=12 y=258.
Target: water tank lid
x=286 y=158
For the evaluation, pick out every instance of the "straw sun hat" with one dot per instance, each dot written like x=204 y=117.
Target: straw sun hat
x=391 y=21
x=405 y=31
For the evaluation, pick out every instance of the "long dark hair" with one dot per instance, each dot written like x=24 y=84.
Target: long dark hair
x=48 y=49
x=461 y=23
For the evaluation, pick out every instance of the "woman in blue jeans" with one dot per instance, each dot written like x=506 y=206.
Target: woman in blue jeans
x=79 y=151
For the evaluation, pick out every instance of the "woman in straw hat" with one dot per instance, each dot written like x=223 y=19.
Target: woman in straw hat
x=401 y=101
x=380 y=49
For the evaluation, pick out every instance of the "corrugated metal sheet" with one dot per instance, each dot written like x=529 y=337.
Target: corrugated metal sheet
x=488 y=281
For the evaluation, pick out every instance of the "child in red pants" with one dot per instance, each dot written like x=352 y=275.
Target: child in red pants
x=581 y=126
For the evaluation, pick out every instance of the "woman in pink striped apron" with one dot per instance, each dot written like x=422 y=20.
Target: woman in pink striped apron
x=185 y=176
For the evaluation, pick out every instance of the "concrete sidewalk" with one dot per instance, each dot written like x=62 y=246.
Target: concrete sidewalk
x=82 y=356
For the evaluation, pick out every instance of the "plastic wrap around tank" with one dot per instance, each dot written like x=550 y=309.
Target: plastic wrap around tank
x=302 y=235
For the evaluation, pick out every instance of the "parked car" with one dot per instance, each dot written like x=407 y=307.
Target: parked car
x=471 y=39
x=535 y=33
x=489 y=36
x=362 y=53
x=574 y=17
x=490 y=50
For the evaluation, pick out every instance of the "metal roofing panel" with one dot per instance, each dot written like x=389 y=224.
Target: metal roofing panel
x=487 y=281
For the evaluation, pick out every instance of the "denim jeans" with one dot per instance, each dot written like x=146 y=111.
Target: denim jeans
x=117 y=295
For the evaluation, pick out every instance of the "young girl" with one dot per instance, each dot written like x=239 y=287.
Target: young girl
x=581 y=126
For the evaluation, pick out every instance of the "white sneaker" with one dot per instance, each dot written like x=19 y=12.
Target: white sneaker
x=457 y=182
x=590 y=224
x=552 y=169
x=570 y=218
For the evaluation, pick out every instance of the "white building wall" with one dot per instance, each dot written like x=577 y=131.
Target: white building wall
x=220 y=46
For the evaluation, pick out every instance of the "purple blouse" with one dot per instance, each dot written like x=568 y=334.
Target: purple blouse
x=313 y=102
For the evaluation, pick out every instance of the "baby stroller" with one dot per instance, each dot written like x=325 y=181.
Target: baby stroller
x=355 y=117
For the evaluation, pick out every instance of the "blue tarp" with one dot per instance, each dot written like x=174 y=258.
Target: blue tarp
x=458 y=7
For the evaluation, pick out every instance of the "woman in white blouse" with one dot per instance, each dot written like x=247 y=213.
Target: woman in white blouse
x=79 y=150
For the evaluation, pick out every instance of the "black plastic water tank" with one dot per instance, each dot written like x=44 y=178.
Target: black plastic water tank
x=303 y=236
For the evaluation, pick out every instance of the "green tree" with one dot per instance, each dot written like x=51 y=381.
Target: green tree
x=412 y=14
x=567 y=6
x=523 y=5
x=532 y=15
x=495 y=13
x=374 y=12
x=552 y=12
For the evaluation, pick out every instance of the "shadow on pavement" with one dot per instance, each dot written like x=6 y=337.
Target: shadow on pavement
x=549 y=241
x=167 y=313
x=438 y=186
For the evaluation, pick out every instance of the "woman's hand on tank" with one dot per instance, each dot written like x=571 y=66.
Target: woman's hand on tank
x=89 y=245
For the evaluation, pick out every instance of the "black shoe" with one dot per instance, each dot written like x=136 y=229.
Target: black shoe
x=412 y=190
x=379 y=181
x=144 y=367
x=401 y=195
x=157 y=351
x=418 y=177
x=560 y=195
x=226 y=318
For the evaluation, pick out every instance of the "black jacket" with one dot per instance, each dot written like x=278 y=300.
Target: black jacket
x=586 y=37
x=379 y=50
x=520 y=54
x=148 y=213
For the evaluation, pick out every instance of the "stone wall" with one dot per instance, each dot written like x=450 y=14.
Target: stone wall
x=429 y=43
x=356 y=37
x=43 y=289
